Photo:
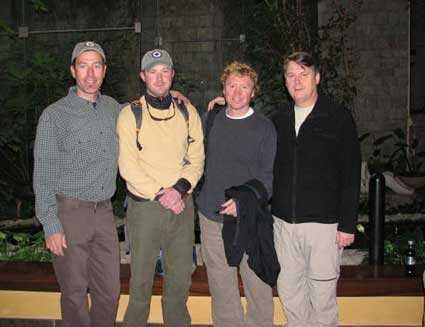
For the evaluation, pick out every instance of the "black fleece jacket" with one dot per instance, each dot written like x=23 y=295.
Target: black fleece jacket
x=317 y=173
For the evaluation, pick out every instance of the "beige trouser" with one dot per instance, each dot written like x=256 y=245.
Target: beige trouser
x=309 y=258
x=223 y=284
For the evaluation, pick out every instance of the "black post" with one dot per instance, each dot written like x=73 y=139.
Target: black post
x=376 y=218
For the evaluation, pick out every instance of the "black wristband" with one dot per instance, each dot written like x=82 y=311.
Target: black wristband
x=182 y=186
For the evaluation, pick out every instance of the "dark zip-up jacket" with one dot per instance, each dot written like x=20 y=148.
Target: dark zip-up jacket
x=317 y=173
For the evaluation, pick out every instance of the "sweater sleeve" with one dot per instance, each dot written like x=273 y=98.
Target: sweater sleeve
x=350 y=175
x=194 y=167
x=46 y=172
x=137 y=179
x=267 y=155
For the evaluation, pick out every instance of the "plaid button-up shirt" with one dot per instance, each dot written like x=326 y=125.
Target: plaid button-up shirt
x=75 y=154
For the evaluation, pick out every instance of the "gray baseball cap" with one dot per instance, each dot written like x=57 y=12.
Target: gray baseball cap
x=87 y=46
x=155 y=57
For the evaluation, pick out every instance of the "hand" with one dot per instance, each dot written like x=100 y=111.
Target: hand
x=178 y=207
x=180 y=97
x=229 y=208
x=56 y=243
x=218 y=100
x=169 y=197
x=344 y=239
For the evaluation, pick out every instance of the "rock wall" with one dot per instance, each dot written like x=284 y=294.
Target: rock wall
x=379 y=40
x=191 y=31
x=203 y=35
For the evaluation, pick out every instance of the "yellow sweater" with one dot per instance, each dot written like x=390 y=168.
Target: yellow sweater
x=165 y=156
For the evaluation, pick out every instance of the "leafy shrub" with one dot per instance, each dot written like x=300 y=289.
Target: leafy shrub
x=22 y=246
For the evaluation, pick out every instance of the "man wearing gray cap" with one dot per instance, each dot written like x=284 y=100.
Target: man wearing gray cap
x=75 y=168
x=161 y=163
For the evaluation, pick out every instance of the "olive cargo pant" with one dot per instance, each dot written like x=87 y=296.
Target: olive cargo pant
x=151 y=228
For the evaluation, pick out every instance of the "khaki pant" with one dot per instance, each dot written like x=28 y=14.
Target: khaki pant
x=151 y=228
x=91 y=261
x=223 y=284
x=309 y=258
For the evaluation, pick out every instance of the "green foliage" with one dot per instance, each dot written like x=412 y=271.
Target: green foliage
x=395 y=243
x=35 y=78
x=6 y=28
x=273 y=29
x=276 y=28
x=400 y=157
x=20 y=246
x=337 y=56
x=394 y=249
x=40 y=5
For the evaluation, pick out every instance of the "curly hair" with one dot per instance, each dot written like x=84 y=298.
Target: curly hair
x=241 y=70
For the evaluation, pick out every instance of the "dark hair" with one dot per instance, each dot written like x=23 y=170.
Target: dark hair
x=302 y=58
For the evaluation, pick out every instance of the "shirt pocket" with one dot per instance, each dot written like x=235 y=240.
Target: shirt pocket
x=79 y=146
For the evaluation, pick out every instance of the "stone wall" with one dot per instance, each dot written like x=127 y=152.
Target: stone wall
x=192 y=31
x=418 y=69
x=203 y=35
x=379 y=39
x=418 y=55
x=66 y=22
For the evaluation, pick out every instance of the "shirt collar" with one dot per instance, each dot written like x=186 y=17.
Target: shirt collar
x=80 y=101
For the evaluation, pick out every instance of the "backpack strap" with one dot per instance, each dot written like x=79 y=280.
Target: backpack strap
x=210 y=122
x=185 y=112
x=136 y=108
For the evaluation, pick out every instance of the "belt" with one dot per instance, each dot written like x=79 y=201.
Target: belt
x=137 y=198
x=84 y=203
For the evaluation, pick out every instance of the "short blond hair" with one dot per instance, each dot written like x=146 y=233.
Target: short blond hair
x=241 y=70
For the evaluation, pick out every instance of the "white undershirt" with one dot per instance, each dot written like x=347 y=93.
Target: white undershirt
x=301 y=114
x=248 y=113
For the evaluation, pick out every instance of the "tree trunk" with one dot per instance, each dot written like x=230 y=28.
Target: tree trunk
x=14 y=223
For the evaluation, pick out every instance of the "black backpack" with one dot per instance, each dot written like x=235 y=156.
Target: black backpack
x=136 y=108
x=209 y=122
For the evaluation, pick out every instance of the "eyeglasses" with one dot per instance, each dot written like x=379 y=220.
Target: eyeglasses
x=161 y=119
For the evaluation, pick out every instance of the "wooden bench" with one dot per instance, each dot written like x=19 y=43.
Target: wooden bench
x=367 y=295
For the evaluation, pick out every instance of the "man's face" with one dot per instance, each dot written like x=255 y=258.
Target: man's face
x=88 y=71
x=238 y=92
x=158 y=80
x=301 y=82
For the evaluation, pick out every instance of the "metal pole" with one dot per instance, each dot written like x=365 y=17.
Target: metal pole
x=376 y=218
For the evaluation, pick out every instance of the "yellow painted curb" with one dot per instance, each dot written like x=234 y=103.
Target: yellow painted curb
x=360 y=311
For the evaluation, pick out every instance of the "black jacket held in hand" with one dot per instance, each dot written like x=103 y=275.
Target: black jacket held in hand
x=251 y=231
x=317 y=173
